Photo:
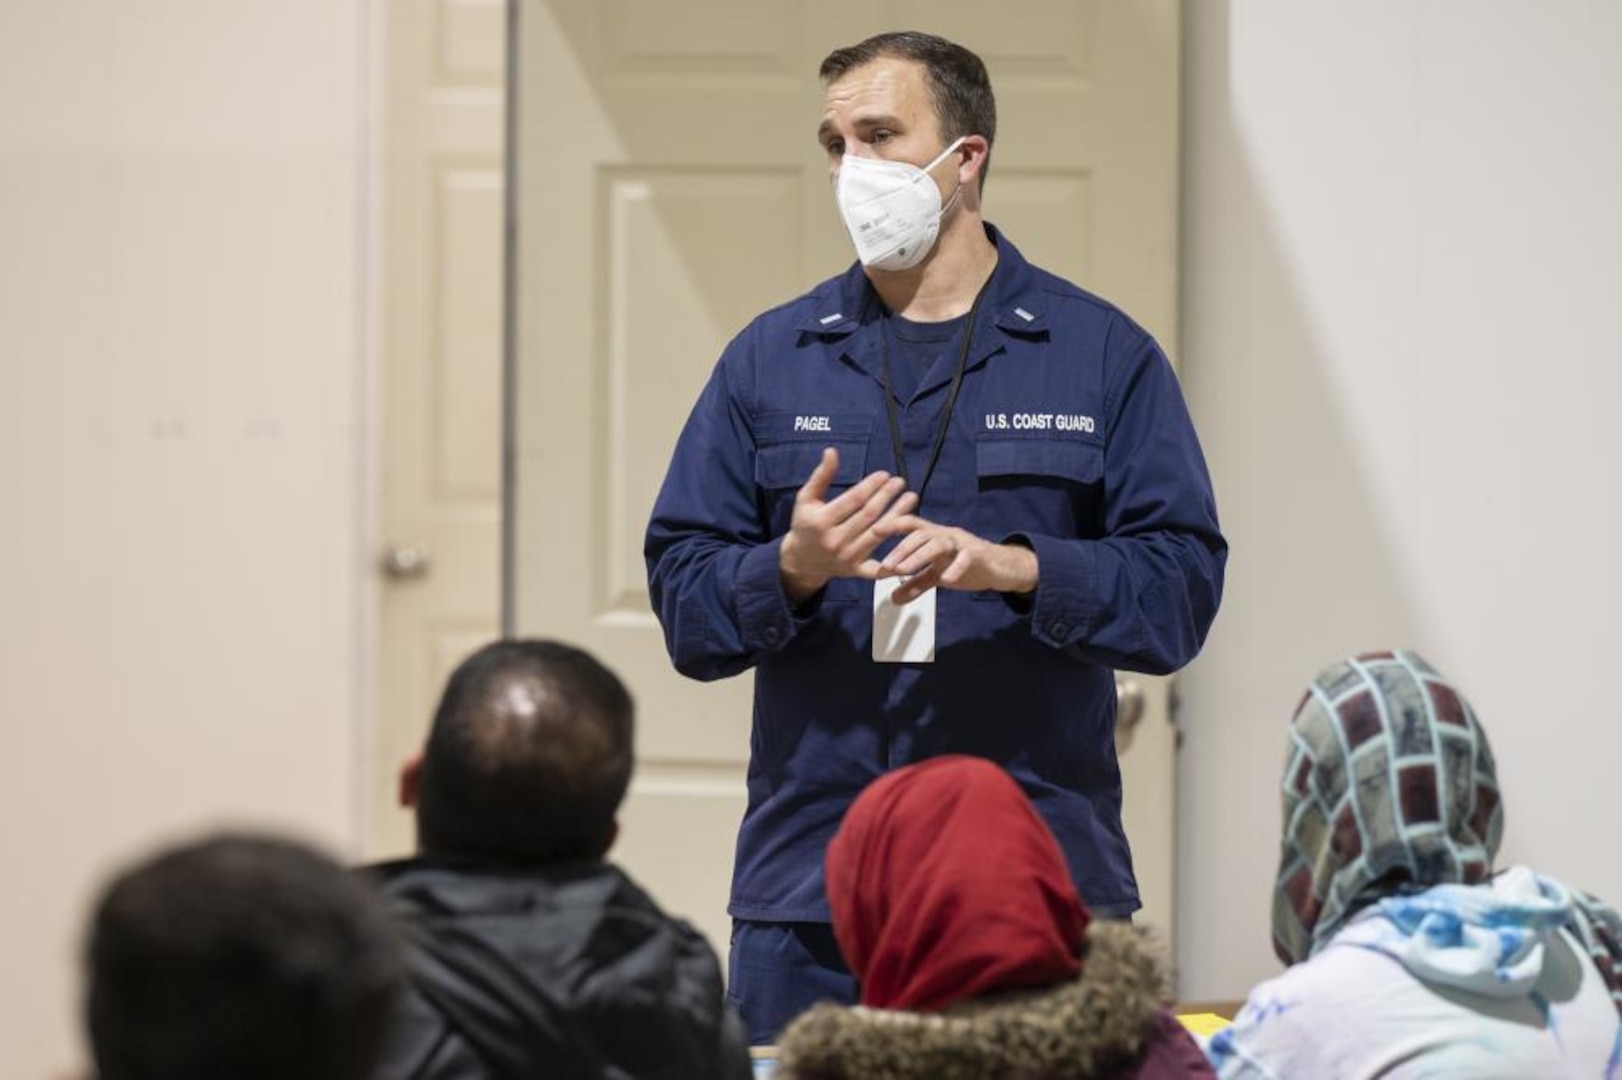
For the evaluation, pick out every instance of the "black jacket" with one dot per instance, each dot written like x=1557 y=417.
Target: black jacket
x=542 y=972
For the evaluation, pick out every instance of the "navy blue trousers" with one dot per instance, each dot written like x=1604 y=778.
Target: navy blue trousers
x=779 y=970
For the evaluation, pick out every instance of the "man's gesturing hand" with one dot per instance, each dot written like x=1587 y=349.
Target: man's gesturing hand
x=836 y=538
x=954 y=558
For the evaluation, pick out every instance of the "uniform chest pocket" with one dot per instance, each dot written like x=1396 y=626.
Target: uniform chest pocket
x=783 y=464
x=785 y=455
x=788 y=464
x=1039 y=484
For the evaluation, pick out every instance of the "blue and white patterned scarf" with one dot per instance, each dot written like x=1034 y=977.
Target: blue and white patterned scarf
x=1389 y=792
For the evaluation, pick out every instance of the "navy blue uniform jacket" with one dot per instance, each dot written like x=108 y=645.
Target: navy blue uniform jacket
x=1070 y=432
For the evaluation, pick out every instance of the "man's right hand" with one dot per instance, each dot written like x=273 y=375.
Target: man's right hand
x=835 y=538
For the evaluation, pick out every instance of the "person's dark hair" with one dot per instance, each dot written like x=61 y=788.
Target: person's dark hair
x=529 y=756
x=957 y=80
x=239 y=956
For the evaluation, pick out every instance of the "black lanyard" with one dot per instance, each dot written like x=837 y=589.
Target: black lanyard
x=896 y=443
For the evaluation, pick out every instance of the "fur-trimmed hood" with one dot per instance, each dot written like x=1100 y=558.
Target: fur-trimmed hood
x=1099 y=1025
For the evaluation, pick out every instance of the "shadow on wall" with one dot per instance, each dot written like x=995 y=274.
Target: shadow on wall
x=1311 y=577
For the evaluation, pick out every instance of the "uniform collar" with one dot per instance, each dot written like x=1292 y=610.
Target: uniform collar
x=847 y=311
x=849 y=303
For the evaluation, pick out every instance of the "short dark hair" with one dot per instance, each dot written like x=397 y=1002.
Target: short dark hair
x=529 y=756
x=242 y=956
x=958 y=84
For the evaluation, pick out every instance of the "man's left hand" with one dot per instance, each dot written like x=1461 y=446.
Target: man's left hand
x=952 y=558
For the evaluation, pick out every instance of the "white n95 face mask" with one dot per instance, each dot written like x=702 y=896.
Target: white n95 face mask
x=891 y=209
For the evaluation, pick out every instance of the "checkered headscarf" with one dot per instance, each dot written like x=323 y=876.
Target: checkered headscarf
x=1389 y=786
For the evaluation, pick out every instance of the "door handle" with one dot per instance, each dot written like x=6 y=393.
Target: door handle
x=407 y=563
x=1129 y=706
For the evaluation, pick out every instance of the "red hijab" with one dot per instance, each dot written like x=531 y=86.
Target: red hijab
x=945 y=885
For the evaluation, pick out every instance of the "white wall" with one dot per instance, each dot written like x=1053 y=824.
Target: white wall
x=1403 y=253
x=181 y=439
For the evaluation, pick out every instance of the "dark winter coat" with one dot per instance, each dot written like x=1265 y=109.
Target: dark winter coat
x=552 y=972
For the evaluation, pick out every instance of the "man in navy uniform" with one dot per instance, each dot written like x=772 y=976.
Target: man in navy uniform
x=933 y=503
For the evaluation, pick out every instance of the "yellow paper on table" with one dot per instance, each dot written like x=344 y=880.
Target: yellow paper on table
x=764 y=1060
x=1203 y=1025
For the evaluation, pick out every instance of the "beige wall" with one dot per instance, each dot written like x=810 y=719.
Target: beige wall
x=181 y=443
x=1403 y=247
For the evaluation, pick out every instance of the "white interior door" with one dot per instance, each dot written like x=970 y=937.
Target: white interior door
x=441 y=283
x=671 y=188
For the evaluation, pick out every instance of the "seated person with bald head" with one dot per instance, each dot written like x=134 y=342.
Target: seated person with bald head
x=529 y=953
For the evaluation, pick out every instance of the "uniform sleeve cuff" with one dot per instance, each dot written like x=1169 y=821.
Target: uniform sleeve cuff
x=1059 y=610
x=765 y=617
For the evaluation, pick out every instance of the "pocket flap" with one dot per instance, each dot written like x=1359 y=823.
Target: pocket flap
x=1068 y=459
x=789 y=464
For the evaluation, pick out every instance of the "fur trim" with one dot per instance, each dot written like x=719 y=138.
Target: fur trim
x=1079 y=1029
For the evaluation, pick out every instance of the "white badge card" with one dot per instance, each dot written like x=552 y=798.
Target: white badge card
x=902 y=634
